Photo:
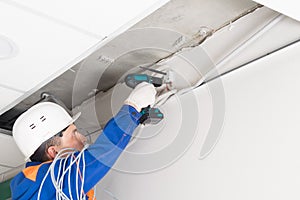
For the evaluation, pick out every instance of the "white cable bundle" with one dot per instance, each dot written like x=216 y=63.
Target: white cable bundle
x=58 y=182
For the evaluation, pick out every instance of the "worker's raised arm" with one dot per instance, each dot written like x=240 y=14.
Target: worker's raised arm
x=110 y=144
x=101 y=156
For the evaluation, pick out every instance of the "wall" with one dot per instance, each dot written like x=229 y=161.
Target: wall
x=255 y=157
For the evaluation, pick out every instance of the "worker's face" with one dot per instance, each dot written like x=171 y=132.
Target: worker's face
x=72 y=139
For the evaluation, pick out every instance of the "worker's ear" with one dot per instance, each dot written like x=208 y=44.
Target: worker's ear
x=52 y=152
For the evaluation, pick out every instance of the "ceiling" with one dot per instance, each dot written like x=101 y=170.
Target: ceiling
x=78 y=59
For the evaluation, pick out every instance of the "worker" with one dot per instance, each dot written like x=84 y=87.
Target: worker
x=62 y=165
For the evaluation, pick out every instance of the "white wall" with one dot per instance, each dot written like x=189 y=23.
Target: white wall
x=255 y=158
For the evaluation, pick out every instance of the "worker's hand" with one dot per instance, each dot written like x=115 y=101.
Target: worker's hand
x=142 y=96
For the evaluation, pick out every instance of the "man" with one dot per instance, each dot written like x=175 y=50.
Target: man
x=62 y=166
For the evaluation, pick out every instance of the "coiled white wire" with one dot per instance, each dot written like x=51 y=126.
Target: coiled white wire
x=64 y=170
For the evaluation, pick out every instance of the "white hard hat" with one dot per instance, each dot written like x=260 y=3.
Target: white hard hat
x=38 y=124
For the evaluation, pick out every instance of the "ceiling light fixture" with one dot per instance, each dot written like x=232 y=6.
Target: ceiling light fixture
x=8 y=48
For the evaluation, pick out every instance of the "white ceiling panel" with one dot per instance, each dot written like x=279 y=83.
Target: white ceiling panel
x=45 y=48
x=98 y=17
x=3 y=170
x=7 y=96
x=9 y=151
x=287 y=7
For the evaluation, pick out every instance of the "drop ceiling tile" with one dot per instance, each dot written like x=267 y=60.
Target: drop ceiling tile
x=45 y=48
x=288 y=7
x=3 y=169
x=11 y=151
x=7 y=97
x=98 y=17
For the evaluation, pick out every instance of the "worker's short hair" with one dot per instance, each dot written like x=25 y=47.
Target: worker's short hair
x=41 y=155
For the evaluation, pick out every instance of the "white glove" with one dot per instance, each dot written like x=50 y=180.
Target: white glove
x=141 y=96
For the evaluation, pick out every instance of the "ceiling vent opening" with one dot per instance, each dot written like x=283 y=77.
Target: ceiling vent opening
x=8 y=48
x=8 y=119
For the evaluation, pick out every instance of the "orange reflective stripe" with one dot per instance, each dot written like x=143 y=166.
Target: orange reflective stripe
x=31 y=172
x=90 y=195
